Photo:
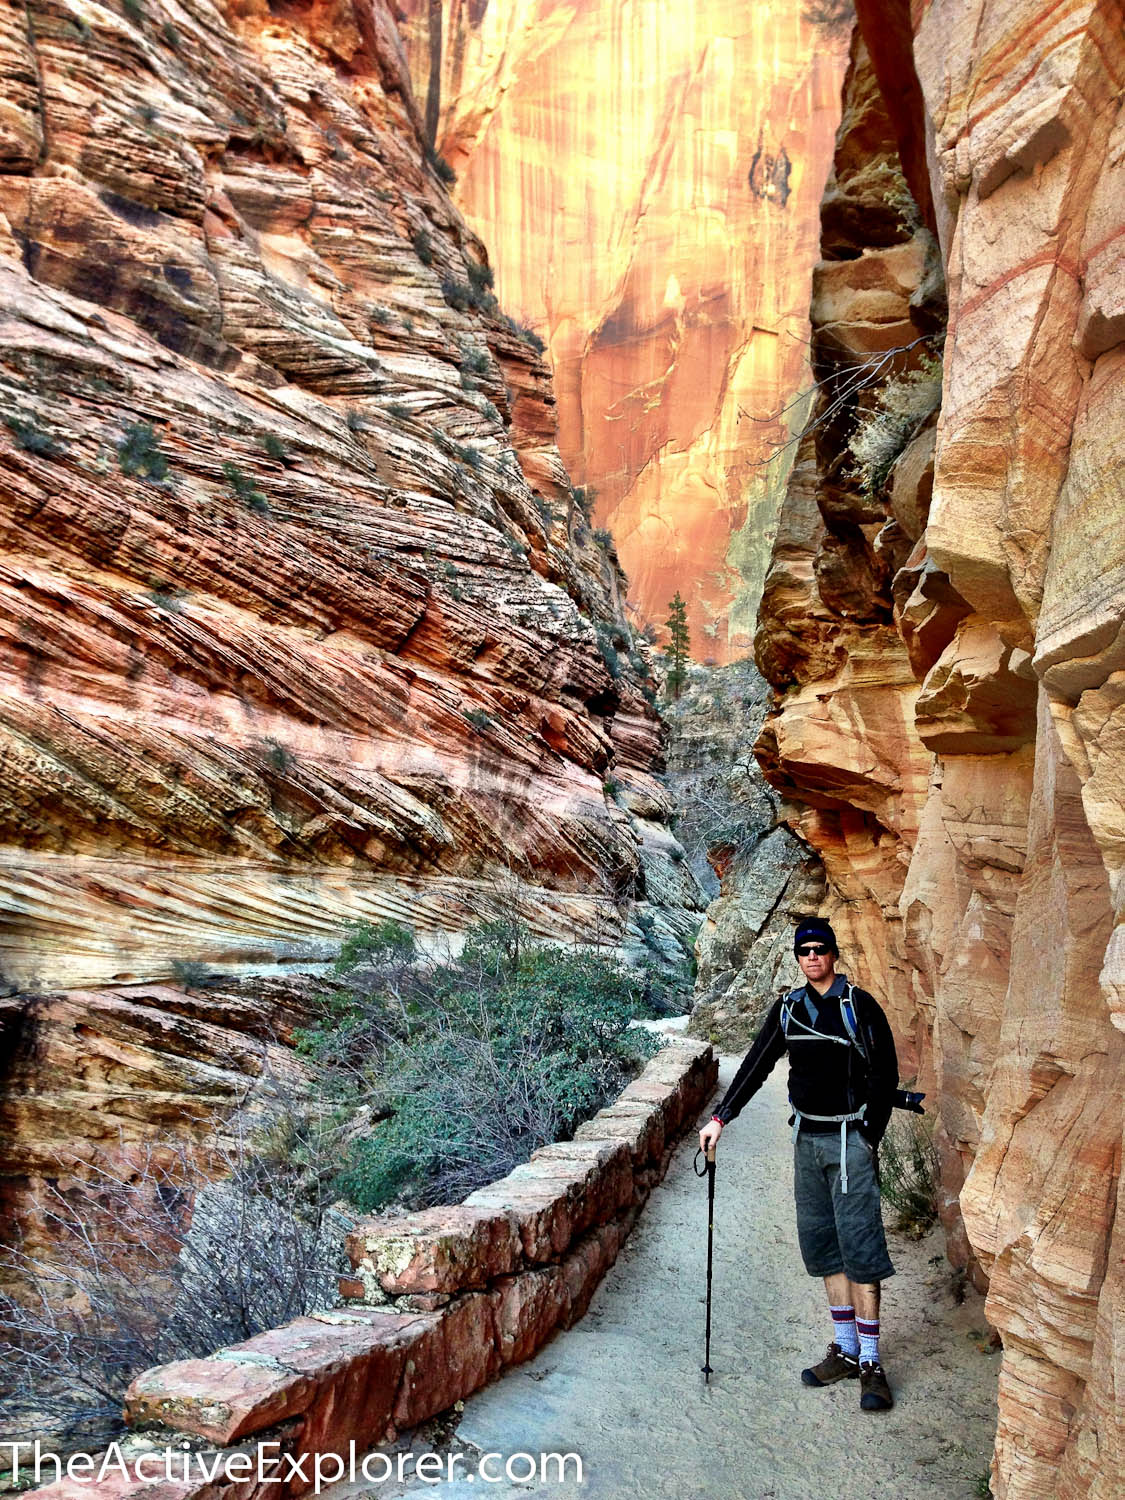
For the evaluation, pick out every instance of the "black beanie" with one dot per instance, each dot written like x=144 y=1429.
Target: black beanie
x=815 y=930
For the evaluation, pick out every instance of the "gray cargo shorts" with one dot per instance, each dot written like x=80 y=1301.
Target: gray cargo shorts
x=839 y=1231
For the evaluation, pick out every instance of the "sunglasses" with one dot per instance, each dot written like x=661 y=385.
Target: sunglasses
x=809 y=950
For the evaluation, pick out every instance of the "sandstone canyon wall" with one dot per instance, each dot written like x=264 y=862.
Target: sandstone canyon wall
x=732 y=826
x=301 y=623
x=647 y=178
x=947 y=654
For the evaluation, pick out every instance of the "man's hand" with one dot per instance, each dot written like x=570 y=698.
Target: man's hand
x=709 y=1135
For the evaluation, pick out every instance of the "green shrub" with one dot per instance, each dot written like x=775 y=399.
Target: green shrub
x=458 y=294
x=423 y=246
x=193 y=975
x=167 y=598
x=134 y=11
x=479 y=719
x=171 y=36
x=452 y=574
x=474 y=361
x=274 y=448
x=603 y=538
x=441 y=166
x=244 y=489
x=397 y=409
x=474 y=293
x=474 y=1062
x=882 y=433
x=611 y=787
x=367 y=945
x=609 y=640
x=528 y=335
x=898 y=197
x=279 y=757
x=33 y=439
x=610 y=657
x=138 y=452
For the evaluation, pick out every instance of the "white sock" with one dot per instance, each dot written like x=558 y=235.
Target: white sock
x=868 y=1340
x=844 y=1330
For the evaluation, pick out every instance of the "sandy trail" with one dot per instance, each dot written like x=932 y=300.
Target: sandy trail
x=623 y=1388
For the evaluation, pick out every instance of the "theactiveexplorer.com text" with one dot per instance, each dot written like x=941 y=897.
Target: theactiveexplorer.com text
x=267 y=1464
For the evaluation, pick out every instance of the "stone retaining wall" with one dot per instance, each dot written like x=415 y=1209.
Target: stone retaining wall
x=437 y=1305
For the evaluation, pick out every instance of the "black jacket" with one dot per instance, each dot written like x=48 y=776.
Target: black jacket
x=824 y=1078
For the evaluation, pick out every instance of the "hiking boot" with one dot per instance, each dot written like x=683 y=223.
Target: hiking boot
x=875 y=1393
x=836 y=1365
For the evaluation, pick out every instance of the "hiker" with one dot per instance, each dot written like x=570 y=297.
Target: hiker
x=843 y=1077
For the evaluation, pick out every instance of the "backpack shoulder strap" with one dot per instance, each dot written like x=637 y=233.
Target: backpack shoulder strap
x=851 y=1025
x=787 y=1010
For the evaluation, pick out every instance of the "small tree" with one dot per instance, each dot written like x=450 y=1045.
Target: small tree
x=679 y=642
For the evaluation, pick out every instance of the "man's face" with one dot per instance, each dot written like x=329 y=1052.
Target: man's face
x=817 y=961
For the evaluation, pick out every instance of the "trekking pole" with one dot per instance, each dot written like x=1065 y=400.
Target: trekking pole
x=709 y=1172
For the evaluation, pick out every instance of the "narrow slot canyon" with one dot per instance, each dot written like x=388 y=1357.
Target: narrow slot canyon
x=510 y=507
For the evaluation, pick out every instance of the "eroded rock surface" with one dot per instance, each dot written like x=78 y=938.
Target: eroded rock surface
x=647 y=181
x=949 y=661
x=302 y=624
x=759 y=874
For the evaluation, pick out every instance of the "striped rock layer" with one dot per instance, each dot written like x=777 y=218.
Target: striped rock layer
x=302 y=623
x=953 y=659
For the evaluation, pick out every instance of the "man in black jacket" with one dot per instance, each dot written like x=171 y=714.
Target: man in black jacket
x=843 y=1074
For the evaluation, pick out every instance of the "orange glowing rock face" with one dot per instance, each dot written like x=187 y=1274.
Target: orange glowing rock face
x=647 y=178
